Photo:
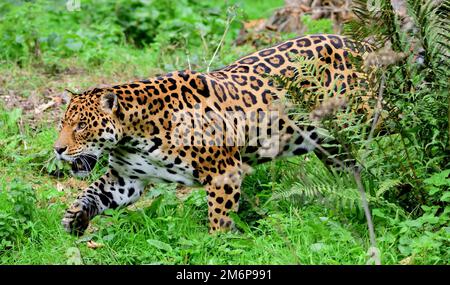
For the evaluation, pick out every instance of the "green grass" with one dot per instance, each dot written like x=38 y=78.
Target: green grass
x=293 y=211
x=136 y=238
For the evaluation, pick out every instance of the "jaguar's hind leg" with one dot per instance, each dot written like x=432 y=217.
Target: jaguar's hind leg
x=301 y=140
x=334 y=155
x=223 y=187
x=224 y=192
x=306 y=138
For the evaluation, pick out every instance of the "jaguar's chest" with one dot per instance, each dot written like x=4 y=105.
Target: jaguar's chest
x=155 y=166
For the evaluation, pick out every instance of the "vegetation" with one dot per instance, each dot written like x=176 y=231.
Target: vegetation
x=294 y=211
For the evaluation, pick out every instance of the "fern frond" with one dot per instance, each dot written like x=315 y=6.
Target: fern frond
x=386 y=185
x=433 y=21
x=325 y=187
x=369 y=15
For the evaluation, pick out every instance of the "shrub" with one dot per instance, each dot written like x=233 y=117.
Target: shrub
x=16 y=214
x=43 y=30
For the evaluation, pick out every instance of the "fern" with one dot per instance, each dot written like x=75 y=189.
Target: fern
x=370 y=14
x=434 y=30
x=387 y=185
x=415 y=109
x=313 y=183
x=341 y=199
x=416 y=95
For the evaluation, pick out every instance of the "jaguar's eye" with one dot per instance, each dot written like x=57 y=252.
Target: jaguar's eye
x=81 y=126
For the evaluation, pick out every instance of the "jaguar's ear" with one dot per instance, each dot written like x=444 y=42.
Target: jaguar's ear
x=109 y=102
x=71 y=92
x=68 y=95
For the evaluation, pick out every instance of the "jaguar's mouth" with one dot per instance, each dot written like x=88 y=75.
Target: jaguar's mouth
x=82 y=165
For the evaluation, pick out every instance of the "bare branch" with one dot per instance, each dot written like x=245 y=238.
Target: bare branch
x=230 y=18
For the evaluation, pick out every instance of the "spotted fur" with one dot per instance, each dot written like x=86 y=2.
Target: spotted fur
x=196 y=128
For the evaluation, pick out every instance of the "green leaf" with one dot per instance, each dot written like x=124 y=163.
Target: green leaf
x=378 y=213
x=445 y=197
x=108 y=237
x=74 y=45
x=109 y=212
x=433 y=190
x=73 y=256
x=430 y=219
x=239 y=223
x=414 y=223
x=159 y=244
x=439 y=179
x=20 y=39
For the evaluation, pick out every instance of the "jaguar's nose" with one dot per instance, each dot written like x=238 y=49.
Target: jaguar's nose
x=60 y=150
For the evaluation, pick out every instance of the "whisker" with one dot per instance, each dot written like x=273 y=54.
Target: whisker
x=90 y=155
x=86 y=164
x=83 y=162
x=81 y=158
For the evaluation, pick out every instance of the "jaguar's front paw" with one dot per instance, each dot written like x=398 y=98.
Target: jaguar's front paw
x=76 y=220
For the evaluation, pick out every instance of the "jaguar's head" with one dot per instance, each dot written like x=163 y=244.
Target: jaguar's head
x=90 y=126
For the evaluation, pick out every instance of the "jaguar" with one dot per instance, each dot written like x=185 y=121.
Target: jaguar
x=196 y=128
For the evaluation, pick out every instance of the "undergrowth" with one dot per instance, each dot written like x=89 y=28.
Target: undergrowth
x=293 y=211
